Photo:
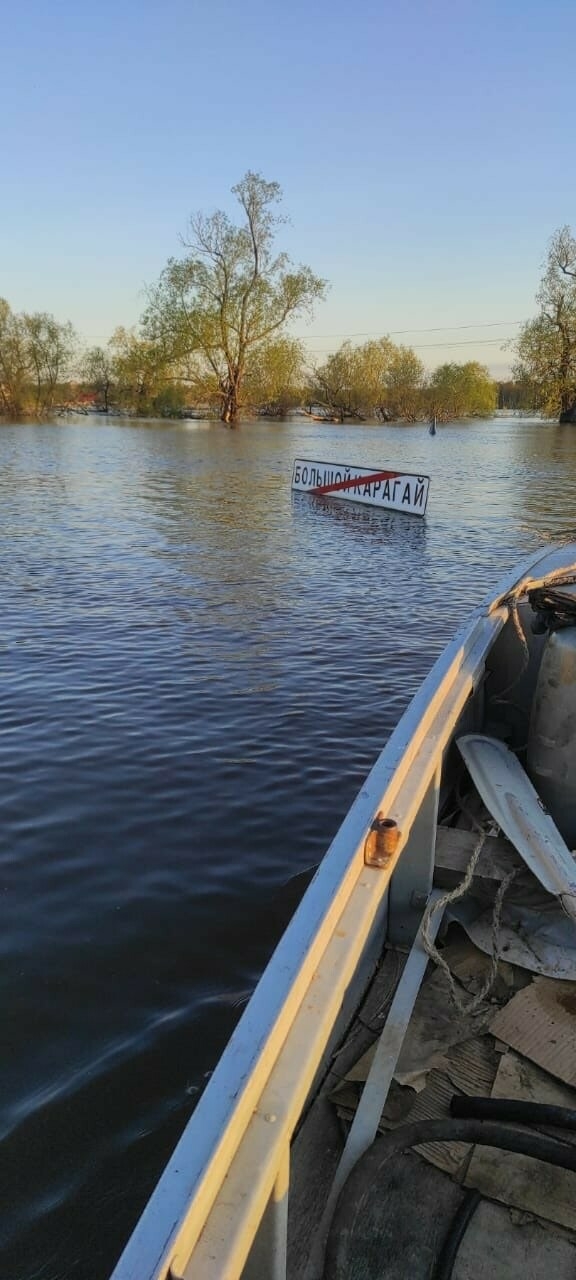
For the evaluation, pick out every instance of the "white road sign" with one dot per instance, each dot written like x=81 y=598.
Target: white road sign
x=392 y=490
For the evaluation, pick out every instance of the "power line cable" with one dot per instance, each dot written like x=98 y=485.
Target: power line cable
x=426 y=346
x=377 y=333
x=439 y=328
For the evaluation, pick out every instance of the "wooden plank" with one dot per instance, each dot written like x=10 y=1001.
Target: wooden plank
x=454 y=848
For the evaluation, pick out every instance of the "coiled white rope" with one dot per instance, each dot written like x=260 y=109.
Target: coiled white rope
x=465 y=1008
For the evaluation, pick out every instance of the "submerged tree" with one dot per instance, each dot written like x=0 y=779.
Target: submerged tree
x=230 y=294
x=141 y=370
x=462 y=391
x=275 y=376
x=546 y=346
x=99 y=371
x=36 y=352
x=404 y=382
x=14 y=363
x=375 y=379
x=50 y=346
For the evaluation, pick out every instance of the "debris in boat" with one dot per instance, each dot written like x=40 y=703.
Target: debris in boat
x=541 y=1189
x=351 y=1250
x=388 y=1237
x=434 y=1028
x=470 y=966
x=519 y=1079
x=540 y=941
x=433 y=1103
x=445 y=1054
x=540 y=1023
x=511 y=799
x=469 y=1067
x=454 y=848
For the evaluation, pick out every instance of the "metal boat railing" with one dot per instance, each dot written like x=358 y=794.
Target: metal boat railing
x=220 y=1209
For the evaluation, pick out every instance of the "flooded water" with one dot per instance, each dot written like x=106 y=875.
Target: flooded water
x=197 y=670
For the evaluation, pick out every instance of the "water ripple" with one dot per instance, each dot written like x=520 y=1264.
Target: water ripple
x=197 y=669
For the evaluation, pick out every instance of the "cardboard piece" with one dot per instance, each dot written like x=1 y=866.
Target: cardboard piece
x=540 y=1023
x=467 y=1068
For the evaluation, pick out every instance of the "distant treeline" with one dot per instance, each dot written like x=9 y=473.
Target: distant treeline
x=43 y=369
x=214 y=339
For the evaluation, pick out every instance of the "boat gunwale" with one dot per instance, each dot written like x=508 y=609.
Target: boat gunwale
x=215 y=1130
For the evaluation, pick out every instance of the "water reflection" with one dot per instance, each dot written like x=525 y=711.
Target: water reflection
x=401 y=533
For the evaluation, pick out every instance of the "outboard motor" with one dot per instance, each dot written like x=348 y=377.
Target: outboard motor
x=551 y=757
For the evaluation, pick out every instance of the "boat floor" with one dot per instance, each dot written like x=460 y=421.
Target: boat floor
x=519 y=1044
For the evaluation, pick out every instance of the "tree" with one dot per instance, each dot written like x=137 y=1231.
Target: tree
x=35 y=358
x=50 y=348
x=230 y=294
x=170 y=401
x=404 y=382
x=334 y=383
x=515 y=395
x=546 y=346
x=374 y=379
x=98 y=370
x=462 y=391
x=275 y=376
x=141 y=370
x=14 y=369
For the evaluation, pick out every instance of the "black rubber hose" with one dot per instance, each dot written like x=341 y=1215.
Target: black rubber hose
x=449 y=1251
x=366 y=1175
x=511 y=1109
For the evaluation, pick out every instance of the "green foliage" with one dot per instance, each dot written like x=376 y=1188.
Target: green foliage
x=405 y=378
x=170 y=401
x=36 y=353
x=230 y=294
x=275 y=376
x=462 y=391
x=141 y=370
x=51 y=347
x=14 y=362
x=546 y=346
x=352 y=381
x=99 y=373
x=374 y=379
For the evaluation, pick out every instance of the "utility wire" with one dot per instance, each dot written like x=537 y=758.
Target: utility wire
x=439 y=328
x=377 y=333
x=424 y=346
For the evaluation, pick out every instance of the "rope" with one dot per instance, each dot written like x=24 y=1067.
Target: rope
x=463 y=1008
x=557 y=577
x=519 y=629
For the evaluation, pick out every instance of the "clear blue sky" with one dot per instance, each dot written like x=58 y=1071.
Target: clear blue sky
x=426 y=155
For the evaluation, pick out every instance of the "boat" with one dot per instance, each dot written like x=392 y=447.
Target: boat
x=423 y=996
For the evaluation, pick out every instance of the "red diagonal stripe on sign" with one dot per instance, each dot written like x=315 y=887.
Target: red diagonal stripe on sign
x=356 y=480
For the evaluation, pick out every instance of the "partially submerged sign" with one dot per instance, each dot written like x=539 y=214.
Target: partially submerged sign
x=393 y=490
